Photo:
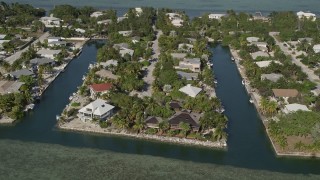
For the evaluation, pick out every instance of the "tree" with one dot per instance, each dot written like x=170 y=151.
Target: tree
x=164 y=126
x=185 y=128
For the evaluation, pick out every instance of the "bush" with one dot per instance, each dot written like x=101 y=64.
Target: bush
x=173 y=132
x=104 y=124
x=75 y=104
x=151 y=131
x=72 y=112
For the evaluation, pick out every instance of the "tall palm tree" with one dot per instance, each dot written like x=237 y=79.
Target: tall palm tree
x=185 y=128
x=164 y=126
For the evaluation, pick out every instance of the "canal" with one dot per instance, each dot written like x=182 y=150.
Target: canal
x=248 y=145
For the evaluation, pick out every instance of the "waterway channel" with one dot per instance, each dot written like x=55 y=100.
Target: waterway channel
x=248 y=145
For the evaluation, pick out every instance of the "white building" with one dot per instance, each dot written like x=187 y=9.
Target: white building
x=105 y=22
x=138 y=10
x=47 y=53
x=290 y=108
x=125 y=33
x=316 y=48
x=96 y=14
x=79 y=30
x=307 y=15
x=50 y=21
x=257 y=54
x=125 y=51
x=190 y=90
x=252 y=39
x=266 y=63
x=98 y=109
x=216 y=16
x=54 y=39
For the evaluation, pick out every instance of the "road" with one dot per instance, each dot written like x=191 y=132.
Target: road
x=310 y=73
x=11 y=59
x=148 y=79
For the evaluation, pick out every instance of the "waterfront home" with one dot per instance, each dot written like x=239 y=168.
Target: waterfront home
x=119 y=19
x=153 y=122
x=121 y=46
x=125 y=51
x=98 y=109
x=105 y=22
x=176 y=19
x=285 y=93
x=187 y=76
x=179 y=56
x=290 y=108
x=263 y=64
x=192 y=64
x=257 y=54
x=316 y=48
x=138 y=11
x=96 y=14
x=271 y=77
x=53 y=39
x=50 y=21
x=22 y=72
x=252 y=39
x=216 y=16
x=306 y=15
x=57 y=43
x=177 y=22
x=193 y=119
x=48 y=53
x=175 y=106
x=2 y=36
x=106 y=74
x=125 y=33
x=99 y=89
x=10 y=87
x=108 y=63
x=36 y=62
x=190 y=90
x=185 y=47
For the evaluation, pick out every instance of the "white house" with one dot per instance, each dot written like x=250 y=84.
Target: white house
x=98 y=109
x=257 y=54
x=105 y=22
x=193 y=64
x=216 y=16
x=119 y=19
x=125 y=33
x=271 y=77
x=79 y=30
x=190 y=90
x=177 y=22
x=316 y=48
x=57 y=43
x=138 y=10
x=96 y=14
x=125 y=51
x=266 y=63
x=47 y=53
x=53 y=39
x=252 y=39
x=307 y=15
x=290 y=108
x=2 y=36
x=50 y=21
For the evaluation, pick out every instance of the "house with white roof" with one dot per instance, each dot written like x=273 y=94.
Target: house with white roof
x=138 y=11
x=290 y=108
x=192 y=64
x=105 y=22
x=252 y=39
x=316 y=48
x=271 y=77
x=54 y=39
x=257 y=54
x=79 y=30
x=57 y=43
x=306 y=15
x=263 y=64
x=96 y=14
x=125 y=33
x=119 y=19
x=48 y=53
x=177 y=22
x=187 y=76
x=108 y=63
x=190 y=90
x=263 y=46
x=125 y=51
x=216 y=16
x=2 y=36
x=178 y=55
x=98 y=109
x=50 y=21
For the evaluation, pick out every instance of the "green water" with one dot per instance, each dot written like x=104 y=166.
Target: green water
x=20 y=160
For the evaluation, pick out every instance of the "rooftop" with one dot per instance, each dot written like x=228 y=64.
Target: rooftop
x=266 y=63
x=295 y=107
x=48 y=52
x=97 y=107
x=21 y=72
x=188 y=76
x=10 y=86
x=106 y=74
x=190 y=118
x=101 y=87
x=285 y=92
x=271 y=77
x=190 y=90
x=40 y=61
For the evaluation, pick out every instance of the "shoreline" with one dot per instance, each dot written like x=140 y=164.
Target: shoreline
x=86 y=127
x=256 y=98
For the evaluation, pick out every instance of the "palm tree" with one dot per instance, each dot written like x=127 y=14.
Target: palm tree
x=219 y=134
x=164 y=126
x=185 y=128
x=139 y=125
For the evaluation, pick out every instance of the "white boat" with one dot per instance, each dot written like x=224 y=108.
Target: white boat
x=29 y=107
x=57 y=117
x=83 y=78
x=251 y=101
x=243 y=82
x=232 y=58
x=209 y=64
x=70 y=98
x=215 y=81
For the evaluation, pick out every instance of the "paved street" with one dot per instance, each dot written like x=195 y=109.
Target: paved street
x=11 y=59
x=148 y=79
x=310 y=73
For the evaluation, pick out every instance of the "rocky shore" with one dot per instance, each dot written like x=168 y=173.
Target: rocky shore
x=80 y=126
x=6 y=120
